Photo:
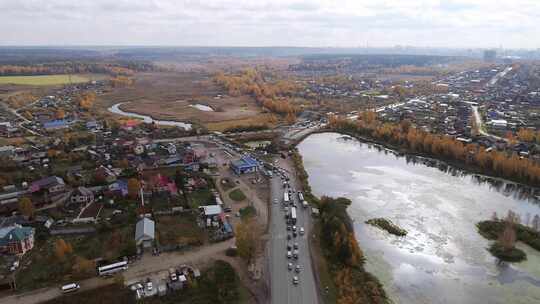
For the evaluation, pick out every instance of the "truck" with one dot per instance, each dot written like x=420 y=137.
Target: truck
x=300 y=196
x=292 y=218
x=285 y=198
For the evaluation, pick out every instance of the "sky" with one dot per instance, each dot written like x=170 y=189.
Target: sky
x=315 y=23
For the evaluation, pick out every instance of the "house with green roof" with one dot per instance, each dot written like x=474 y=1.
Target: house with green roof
x=16 y=239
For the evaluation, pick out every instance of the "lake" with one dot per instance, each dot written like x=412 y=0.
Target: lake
x=443 y=259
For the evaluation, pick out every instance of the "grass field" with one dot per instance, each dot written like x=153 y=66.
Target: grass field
x=237 y=195
x=44 y=80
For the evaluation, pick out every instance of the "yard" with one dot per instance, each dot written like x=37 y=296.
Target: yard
x=179 y=230
x=201 y=197
x=50 y=263
x=46 y=80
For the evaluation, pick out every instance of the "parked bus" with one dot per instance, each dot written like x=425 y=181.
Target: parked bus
x=293 y=215
x=300 y=196
x=285 y=198
x=70 y=287
x=112 y=268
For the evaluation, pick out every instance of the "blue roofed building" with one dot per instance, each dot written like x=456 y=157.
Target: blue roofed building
x=246 y=164
x=16 y=239
x=56 y=124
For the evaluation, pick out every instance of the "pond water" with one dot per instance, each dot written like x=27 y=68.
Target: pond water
x=147 y=119
x=443 y=259
x=202 y=107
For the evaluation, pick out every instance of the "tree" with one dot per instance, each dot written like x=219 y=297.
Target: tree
x=62 y=248
x=26 y=207
x=134 y=187
x=508 y=238
x=86 y=101
x=291 y=118
x=246 y=239
x=83 y=266
x=60 y=114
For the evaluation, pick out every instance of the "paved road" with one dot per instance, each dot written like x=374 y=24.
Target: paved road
x=283 y=290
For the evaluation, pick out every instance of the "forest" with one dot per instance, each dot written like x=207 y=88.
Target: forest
x=77 y=67
x=273 y=96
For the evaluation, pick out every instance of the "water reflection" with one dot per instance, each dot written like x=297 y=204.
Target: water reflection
x=508 y=188
x=442 y=259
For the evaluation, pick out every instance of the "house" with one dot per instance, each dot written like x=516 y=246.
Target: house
x=8 y=130
x=105 y=174
x=92 y=125
x=145 y=232
x=7 y=151
x=119 y=188
x=81 y=196
x=16 y=239
x=246 y=164
x=51 y=184
x=56 y=124
x=162 y=183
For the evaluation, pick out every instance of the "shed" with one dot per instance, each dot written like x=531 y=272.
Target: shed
x=145 y=232
x=211 y=210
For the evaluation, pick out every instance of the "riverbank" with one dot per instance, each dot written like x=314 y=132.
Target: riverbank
x=339 y=261
x=463 y=166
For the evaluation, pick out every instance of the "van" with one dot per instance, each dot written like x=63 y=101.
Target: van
x=70 y=287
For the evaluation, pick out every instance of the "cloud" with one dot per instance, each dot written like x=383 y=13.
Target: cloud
x=454 y=23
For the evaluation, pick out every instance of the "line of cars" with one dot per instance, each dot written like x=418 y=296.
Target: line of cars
x=289 y=207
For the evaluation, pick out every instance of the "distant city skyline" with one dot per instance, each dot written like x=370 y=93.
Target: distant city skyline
x=316 y=23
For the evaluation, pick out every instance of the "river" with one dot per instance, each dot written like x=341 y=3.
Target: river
x=443 y=259
x=147 y=119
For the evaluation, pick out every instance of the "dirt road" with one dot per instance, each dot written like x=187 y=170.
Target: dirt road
x=147 y=265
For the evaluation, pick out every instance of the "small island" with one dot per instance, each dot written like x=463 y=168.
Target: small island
x=506 y=232
x=387 y=225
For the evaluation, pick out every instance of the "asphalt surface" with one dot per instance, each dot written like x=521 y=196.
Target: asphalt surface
x=282 y=287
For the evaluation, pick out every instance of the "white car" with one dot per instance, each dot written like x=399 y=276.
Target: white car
x=289 y=266
x=149 y=286
x=302 y=231
x=289 y=255
x=295 y=280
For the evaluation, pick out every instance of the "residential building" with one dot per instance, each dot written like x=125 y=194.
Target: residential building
x=16 y=239
x=51 y=184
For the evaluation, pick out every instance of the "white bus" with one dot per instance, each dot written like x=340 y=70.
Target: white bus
x=293 y=215
x=112 y=268
x=70 y=287
x=285 y=198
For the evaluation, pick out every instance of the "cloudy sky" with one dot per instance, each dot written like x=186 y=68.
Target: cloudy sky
x=334 y=23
